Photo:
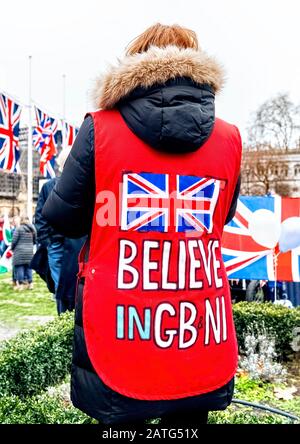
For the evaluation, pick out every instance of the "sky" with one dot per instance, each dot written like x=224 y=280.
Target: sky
x=256 y=41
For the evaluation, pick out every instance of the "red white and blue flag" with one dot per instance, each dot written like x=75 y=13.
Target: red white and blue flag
x=44 y=142
x=70 y=132
x=168 y=202
x=10 y=112
x=6 y=261
x=246 y=259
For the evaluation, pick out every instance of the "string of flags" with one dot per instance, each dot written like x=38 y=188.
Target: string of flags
x=44 y=137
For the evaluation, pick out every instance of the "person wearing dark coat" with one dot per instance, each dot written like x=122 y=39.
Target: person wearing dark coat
x=24 y=238
x=45 y=233
x=47 y=237
x=177 y=114
x=62 y=252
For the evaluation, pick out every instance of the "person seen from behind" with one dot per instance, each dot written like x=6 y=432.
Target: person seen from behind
x=23 y=241
x=152 y=178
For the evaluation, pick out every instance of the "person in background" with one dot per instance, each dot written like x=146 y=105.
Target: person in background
x=62 y=252
x=24 y=238
x=46 y=235
x=269 y=290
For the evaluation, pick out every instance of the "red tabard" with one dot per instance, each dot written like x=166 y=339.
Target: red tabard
x=157 y=311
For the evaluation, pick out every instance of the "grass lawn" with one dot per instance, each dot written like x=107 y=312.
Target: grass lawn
x=20 y=310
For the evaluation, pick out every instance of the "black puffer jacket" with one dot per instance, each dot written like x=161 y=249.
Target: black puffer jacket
x=174 y=114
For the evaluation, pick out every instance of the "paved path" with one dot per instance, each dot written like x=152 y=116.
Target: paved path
x=7 y=332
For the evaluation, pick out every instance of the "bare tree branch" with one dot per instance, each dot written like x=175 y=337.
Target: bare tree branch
x=275 y=124
x=264 y=171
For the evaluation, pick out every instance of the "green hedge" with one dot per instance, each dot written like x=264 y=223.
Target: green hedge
x=41 y=409
x=40 y=358
x=37 y=358
x=279 y=321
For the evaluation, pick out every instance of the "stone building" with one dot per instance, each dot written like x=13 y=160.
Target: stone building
x=13 y=186
x=272 y=172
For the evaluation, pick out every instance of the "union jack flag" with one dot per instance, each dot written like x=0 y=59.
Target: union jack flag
x=44 y=142
x=70 y=132
x=246 y=259
x=10 y=113
x=168 y=202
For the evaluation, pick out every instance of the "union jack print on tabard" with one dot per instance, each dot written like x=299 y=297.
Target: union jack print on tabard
x=44 y=142
x=70 y=133
x=10 y=113
x=168 y=202
x=246 y=259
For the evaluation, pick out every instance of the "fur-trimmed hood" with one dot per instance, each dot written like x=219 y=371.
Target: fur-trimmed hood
x=165 y=95
x=156 y=66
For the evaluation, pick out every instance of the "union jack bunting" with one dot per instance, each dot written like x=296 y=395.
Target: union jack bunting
x=246 y=259
x=166 y=202
x=70 y=133
x=10 y=113
x=44 y=142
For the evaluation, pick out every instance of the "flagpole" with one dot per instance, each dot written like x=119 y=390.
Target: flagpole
x=64 y=97
x=29 y=148
x=63 y=111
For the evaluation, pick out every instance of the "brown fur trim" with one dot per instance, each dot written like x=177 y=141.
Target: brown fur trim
x=157 y=65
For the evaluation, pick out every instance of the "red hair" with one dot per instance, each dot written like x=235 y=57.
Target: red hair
x=162 y=36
